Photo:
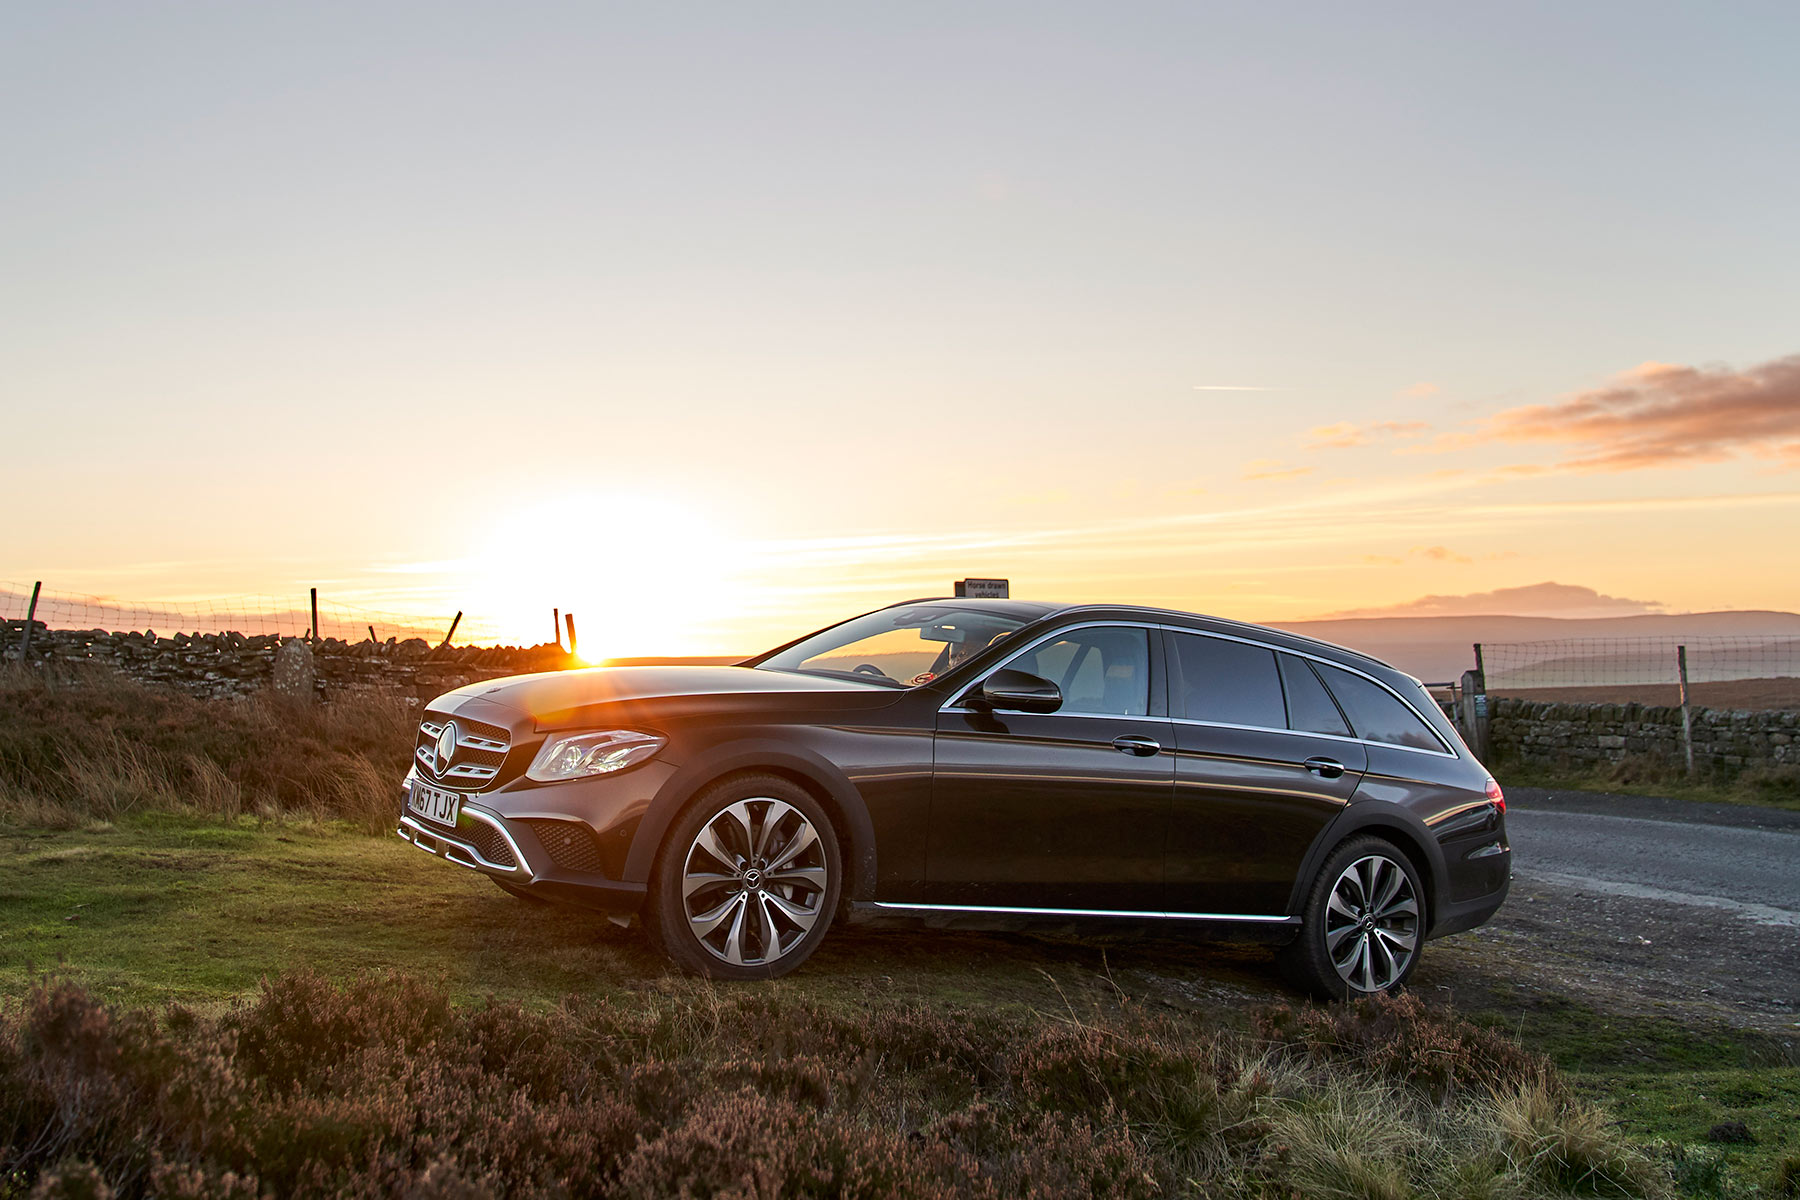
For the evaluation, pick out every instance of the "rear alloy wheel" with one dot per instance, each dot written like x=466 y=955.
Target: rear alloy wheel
x=1363 y=924
x=747 y=880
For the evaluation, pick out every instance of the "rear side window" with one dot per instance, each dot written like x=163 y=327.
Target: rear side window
x=1309 y=706
x=1229 y=682
x=1376 y=713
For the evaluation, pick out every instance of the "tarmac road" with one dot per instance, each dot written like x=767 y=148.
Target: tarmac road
x=1742 y=860
x=1640 y=904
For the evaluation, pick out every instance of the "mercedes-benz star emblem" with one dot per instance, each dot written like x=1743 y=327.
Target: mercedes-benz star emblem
x=446 y=746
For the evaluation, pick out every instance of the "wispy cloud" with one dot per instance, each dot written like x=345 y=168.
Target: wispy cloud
x=1269 y=468
x=1344 y=434
x=1420 y=391
x=1234 y=387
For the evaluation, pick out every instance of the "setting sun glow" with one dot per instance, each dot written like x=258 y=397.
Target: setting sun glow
x=641 y=573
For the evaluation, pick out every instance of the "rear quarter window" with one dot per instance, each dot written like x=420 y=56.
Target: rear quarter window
x=1376 y=713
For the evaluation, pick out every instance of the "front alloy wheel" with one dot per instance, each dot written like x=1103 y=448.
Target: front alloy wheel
x=747 y=880
x=754 y=882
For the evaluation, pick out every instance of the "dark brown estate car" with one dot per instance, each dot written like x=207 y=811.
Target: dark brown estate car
x=980 y=762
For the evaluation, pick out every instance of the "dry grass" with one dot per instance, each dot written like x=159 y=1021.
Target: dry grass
x=383 y=1088
x=103 y=746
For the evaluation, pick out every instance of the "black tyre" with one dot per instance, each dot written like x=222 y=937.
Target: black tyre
x=1363 y=925
x=746 y=881
x=516 y=892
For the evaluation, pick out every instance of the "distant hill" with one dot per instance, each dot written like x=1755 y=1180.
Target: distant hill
x=1441 y=648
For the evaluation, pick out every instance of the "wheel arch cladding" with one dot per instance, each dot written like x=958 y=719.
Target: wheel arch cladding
x=1393 y=825
x=842 y=803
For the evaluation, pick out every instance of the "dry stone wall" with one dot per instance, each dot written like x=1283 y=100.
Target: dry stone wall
x=1725 y=740
x=231 y=664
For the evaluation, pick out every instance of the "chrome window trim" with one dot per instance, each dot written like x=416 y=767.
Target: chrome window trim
x=1444 y=751
x=1334 y=737
x=409 y=822
x=1010 y=910
x=951 y=705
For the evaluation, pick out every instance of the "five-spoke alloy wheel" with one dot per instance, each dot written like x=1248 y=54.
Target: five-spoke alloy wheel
x=1362 y=925
x=747 y=880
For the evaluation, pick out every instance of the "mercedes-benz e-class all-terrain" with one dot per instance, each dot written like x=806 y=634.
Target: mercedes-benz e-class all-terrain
x=980 y=762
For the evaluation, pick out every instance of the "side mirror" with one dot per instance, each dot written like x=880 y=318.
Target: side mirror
x=1021 y=692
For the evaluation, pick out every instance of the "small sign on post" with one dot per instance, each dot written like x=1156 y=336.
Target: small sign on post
x=983 y=589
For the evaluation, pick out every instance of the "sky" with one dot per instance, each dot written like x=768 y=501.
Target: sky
x=715 y=323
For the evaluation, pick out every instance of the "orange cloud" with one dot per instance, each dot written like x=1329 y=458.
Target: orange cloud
x=1419 y=391
x=1441 y=554
x=1658 y=415
x=1344 y=435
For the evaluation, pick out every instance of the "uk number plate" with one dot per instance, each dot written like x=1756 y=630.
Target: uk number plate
x=434 y=804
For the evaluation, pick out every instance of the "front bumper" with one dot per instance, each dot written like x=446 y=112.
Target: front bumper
x=566 y=842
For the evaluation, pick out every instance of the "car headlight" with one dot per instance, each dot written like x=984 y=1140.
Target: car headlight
x=579 y=755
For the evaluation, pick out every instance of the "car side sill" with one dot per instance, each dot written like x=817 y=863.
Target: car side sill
x=1124 y=914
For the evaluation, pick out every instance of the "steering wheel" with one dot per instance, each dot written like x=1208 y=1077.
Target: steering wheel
x=871 y=669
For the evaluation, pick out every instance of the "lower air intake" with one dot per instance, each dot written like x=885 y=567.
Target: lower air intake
x=570 y=844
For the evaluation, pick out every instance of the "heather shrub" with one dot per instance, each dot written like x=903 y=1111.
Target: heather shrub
x=381 y=1088
x=1400 y=1039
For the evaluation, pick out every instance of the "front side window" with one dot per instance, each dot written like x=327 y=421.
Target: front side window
x=1232 y=683
x=904 y=646
x=1103 y=669
x=1376 y=713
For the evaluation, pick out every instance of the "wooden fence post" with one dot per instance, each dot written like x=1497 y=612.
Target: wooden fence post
x=570 y=618
x=457 y=620
x=1475 y=713
x=315 y=617
x=30 y=619
x=556 y=627
x=372 y=633
x=1687 y=716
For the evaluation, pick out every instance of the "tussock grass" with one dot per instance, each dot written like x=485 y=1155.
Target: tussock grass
x=382 y=1087
x=104 y=746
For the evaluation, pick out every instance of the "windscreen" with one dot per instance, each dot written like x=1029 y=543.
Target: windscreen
x=901 y=647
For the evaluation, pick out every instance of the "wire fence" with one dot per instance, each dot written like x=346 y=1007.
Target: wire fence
x=1722 y=672
x=249 y=615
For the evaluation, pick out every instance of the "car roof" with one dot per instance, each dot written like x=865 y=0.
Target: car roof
x=1035 y=610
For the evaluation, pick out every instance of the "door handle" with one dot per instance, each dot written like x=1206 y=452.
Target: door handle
x=1131 y=743
x=1325 y=768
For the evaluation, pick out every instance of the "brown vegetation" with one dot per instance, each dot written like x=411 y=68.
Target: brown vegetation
x=382 y=1088
x=104 y=745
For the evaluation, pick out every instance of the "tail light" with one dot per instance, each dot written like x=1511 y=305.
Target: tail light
x=1495 y=794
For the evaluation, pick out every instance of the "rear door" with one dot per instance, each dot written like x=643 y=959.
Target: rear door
x=1065 y=810
x=1264 y=760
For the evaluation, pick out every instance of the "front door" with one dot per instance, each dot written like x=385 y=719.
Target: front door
x=1066 y=810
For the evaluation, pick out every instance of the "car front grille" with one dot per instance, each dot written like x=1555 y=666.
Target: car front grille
x=570 y=844
x=480 y=751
